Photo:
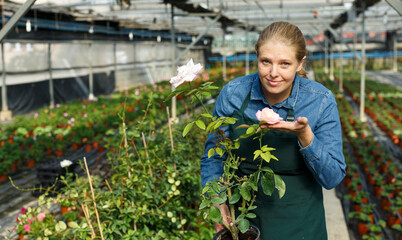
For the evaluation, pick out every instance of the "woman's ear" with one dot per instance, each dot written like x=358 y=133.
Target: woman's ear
x=301 y=64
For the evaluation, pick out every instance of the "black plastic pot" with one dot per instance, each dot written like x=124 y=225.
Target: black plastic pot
x=253 y=233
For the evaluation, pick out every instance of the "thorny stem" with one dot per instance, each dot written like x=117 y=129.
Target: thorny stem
x=203 y=106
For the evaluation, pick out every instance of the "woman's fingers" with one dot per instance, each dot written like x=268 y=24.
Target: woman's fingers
x=225 y=213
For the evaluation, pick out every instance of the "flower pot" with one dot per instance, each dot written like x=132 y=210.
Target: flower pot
x=392 y=220
x=88 y=148
x=362 y=229
x=3 y=177
x=65 y=209
x=252 y=234
x=31 y=163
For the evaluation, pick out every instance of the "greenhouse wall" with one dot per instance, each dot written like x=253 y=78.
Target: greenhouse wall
x=114 y=66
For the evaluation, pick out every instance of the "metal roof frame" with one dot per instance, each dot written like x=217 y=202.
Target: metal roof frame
x=193 y=16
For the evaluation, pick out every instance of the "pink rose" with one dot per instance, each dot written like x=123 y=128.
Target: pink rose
x=23 y=210
x=268 y=115
x=27 y=228
x=29 y=221
x=41 y=217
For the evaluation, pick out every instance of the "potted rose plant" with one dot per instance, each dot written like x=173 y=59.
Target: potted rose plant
x=237 y=192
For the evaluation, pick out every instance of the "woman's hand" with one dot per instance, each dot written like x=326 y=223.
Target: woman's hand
x=225 y=213
x=299 y=127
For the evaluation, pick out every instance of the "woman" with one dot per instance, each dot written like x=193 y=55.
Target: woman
x=308 y=142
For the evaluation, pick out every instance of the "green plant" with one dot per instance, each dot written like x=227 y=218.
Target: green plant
x=236 y=191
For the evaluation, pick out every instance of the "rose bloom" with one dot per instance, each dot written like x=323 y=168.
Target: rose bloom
x=23 y=210
x=41 y=217
x=268 y=115
x=27 y=228
x=186 y=73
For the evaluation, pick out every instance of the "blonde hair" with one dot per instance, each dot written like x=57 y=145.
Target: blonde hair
x=286 y=33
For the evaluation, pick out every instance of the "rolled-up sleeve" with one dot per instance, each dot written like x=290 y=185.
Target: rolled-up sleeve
x=324 y=156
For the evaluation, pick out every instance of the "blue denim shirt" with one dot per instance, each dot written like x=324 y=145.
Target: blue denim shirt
x=323 y=157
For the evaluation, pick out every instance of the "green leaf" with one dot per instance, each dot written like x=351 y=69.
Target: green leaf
x=266 y=148
x=204 y=204
x=252 y=207
x=280 y=185
x=218 y=200
x=73 y=225
x=257 y=153
x=266 y=156
x=267 y=184
x=219 y=151
x=251 y=215
x=61 y=226
x=187 y=128
x=205 y=189
x=245 y=193
x=253 y=185
x=211 y=152
x=207 y=115
x=230 y=120
x=275 y=158
x=200 y=124
x=234 y=198
x=244 y=225
x=267 y=169
x=242 y=126
x=250 y=131
x=215 y=214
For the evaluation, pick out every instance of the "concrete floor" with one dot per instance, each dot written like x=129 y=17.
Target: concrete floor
x=336 y=224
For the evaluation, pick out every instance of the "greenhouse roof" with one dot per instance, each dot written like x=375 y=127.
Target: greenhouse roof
x=314 y=17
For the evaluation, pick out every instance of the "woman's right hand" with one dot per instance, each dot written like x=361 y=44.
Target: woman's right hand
x=226 y=218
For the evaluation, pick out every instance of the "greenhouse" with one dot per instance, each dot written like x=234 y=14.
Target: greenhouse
x=201 y=119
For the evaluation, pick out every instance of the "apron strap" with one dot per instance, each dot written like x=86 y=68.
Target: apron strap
x=245 y=103
x=291 y=116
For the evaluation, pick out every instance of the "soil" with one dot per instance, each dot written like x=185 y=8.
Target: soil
x=251 y=234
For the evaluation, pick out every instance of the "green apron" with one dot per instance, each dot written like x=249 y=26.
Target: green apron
x=299 y=214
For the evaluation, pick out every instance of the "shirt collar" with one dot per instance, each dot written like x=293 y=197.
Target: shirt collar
x=289 y=103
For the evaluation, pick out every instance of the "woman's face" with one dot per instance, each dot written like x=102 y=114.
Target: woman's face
x=277 y=66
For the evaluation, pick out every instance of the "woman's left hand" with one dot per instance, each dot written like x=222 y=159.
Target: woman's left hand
x=299 y=127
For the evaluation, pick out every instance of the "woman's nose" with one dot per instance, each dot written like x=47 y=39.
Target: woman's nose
x=274 y=71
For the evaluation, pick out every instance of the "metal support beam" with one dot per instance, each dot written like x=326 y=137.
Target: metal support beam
x=340 y=38
x=91 y=75
x=5 y=114
x=247 y=53
x=173 y=43
x=184 y=52
x=396 y=4
x=15 y=18
x=326 y=54
x=395 y=53
x=341 y=67
x=331 y=62
x=51 y=87
x=363 y=68
x=223 y=58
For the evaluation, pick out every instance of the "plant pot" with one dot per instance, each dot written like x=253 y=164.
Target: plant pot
x=362 y=229
x=31 y=163
x=3 y=177
x=252 y=234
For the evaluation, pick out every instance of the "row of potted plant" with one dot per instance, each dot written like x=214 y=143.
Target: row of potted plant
x=382 y=104
x=153 y=191
x=371 y=175
x=67 y=127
